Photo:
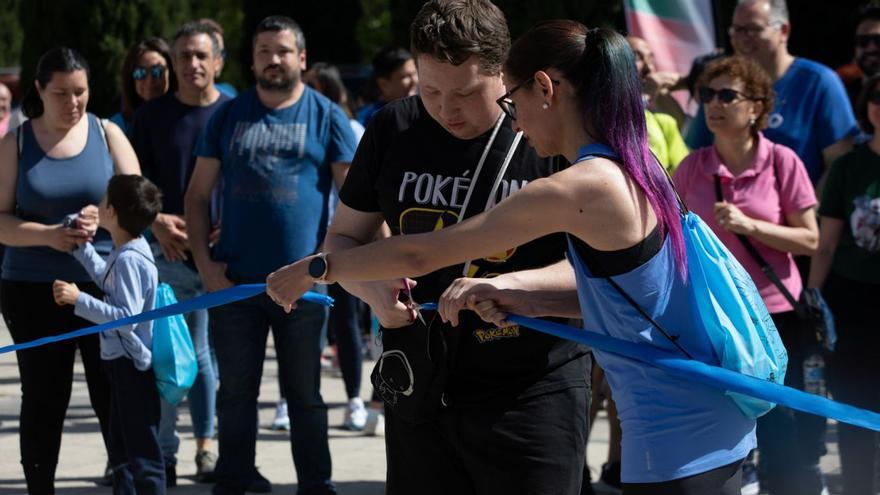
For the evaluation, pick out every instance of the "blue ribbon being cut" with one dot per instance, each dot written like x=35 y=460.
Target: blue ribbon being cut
x=713 y=376
x=210 y=300
x=686 y=368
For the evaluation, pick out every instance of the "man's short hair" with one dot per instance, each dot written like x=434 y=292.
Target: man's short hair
x=278 y=23
x=454 y=30
x=137 y=202
x=390 y=59
x=194 y=28
x=868 y=13
x=777 y=11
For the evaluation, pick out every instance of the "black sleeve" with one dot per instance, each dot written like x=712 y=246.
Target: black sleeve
x=360 y=190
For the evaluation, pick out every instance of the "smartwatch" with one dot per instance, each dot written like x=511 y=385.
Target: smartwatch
x=318 y=268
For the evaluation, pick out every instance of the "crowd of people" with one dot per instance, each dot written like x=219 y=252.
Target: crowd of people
x=541 y=177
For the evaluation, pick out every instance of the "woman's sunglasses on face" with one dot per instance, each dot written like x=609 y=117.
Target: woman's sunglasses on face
x=874 y=97
x=725 y=95
x=156 y=72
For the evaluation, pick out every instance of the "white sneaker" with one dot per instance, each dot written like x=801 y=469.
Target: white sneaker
x=355 y=415
x=375 y=424
x=282 y=420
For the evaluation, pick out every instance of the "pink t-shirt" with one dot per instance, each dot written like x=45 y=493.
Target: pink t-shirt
x=760 y=194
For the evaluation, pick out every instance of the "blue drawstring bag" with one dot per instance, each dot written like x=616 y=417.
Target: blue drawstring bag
x=726 y=302
x=174 y=357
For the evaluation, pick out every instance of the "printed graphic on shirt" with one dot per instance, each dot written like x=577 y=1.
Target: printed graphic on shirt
x=271 y=141
x=865 y=223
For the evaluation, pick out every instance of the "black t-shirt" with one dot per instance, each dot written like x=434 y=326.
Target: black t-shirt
x=417 y=175
x=164 y=133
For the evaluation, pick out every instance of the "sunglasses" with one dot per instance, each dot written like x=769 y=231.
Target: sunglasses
x=507 y=105
x=874 y=97
x=863 y=40
x=750 y=31
x=157 y=71
x=725 y=95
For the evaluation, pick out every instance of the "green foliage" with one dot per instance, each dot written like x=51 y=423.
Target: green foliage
x=102 y=30
x=373 y=30
x=10 y=33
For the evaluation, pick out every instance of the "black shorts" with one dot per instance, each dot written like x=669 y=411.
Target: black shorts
x=531 y=446
x=725 y=480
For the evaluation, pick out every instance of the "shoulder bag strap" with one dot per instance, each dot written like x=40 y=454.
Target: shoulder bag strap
x=753 y=252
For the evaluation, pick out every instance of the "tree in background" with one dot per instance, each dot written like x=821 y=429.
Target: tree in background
x=10 y=33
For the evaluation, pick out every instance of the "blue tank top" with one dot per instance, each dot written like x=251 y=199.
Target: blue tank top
x=49 y=189
x=672 y=428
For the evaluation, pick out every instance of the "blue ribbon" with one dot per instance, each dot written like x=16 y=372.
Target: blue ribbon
x=209 y=300
x=713 y=376
x=686 y=368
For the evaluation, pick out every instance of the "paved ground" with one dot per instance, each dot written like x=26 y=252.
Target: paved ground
x=358 y=461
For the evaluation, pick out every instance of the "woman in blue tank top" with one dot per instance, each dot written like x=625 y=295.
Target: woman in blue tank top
x=55 y=164
x=575 y=92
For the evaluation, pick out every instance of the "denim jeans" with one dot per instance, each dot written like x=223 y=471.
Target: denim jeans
x=203 y=394
x=238 y=332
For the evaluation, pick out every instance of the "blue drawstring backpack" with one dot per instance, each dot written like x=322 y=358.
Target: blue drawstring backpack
x=174 y=357
x=726 y=302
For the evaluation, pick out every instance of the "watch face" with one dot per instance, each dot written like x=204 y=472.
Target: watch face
x=317 y=267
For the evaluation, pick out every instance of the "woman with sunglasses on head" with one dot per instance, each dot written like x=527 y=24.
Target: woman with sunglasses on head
x=145 y=75
x=746 y=185
x=54 y=165
x=575 y=92
x=847 y=269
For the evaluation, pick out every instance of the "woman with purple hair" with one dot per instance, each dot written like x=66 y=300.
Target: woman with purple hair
x=575 y=92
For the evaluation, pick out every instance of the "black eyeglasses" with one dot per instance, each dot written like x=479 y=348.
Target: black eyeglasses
x=751 y=30
x=725 y=95
x=874 y=97
x=156 y=72
x=863 y=40
x=507 y=105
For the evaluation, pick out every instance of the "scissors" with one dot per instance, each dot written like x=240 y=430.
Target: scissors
x=412 y=304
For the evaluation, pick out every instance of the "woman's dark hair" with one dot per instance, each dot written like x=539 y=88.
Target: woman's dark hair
x=454 y=30
x=130 y=99
x=600 y=65
x=331 y=85
x=862 y=104
x=60 y=59
x=757 y=85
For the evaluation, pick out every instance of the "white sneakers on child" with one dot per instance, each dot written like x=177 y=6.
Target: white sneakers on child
x=355 y=415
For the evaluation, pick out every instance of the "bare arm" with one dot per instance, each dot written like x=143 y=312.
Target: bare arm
x=800 y=235
x=352 y=228
x=541 y=208
x=197 y=205
x=339 y=171
x=124 y=158
x=820 y=265
x=548 y=291
x=20 y=233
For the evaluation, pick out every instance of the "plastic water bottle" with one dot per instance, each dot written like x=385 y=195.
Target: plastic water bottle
x=814 y=374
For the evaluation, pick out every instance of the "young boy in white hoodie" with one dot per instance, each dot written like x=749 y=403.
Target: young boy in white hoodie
x=129 y=279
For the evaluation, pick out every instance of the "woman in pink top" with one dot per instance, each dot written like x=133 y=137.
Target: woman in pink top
x=766 y=195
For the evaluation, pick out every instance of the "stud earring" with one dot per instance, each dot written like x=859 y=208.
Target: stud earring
x=752 y=122
x=545 y=106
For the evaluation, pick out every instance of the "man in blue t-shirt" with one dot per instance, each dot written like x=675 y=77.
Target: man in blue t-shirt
x=163 y=133
x=278 y=148
x=812 y=114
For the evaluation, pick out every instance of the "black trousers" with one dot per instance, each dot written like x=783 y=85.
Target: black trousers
x=791 y=442
x=532 y=446
x=726 y=480
x=138 y=468
x=853 y=374
x=47 y=374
